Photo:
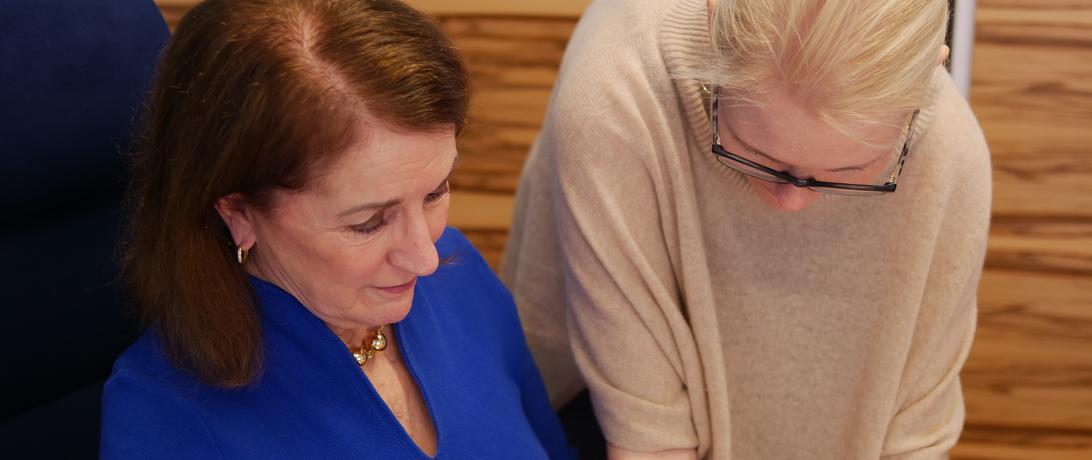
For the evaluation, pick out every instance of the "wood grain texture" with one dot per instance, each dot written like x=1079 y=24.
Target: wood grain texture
x=1032 y=92
x=513 y=63
x=1041 y=245
x=1031 y=363
x=490 y=244
x=998 y=443
x=1028 y=380
x=481 y=211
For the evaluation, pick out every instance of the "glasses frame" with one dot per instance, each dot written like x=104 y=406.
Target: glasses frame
x=782 y=177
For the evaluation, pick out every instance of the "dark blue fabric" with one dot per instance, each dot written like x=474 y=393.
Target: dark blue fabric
x=72 y=78
x=462 y=341
x=73 y=418
x=74 y=74
x=64 y=324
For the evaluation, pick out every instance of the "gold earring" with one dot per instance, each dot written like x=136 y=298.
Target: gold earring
x=241 y=254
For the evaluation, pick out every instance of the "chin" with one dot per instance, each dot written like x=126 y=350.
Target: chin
x=391 y=311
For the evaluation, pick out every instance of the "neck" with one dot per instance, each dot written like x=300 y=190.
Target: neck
x=352 y=335
x=355 y=337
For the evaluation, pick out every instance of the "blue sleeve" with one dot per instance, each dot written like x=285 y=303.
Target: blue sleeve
x=145 y=417
x=536 y=404
x=541 y=414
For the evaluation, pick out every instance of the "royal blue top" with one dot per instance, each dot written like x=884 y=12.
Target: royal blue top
x=461 y=341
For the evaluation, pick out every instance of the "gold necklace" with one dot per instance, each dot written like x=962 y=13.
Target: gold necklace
x=368 y=349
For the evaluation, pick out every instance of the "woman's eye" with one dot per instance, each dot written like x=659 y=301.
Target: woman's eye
x=380 y=220
x=373 y=225
x=439 y=193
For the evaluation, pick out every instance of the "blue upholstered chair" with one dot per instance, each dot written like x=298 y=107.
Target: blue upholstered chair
x=73 y=75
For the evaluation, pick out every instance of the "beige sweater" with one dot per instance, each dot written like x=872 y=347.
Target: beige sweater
x=701 y=318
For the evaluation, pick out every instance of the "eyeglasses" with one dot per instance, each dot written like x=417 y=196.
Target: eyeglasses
x=766 y=173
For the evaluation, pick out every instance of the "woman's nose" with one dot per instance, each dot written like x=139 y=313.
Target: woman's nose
x=792 y=198
x=416 y=252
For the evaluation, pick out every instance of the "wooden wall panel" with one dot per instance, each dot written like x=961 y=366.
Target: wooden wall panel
x=994 y=443
x=1031 y=365
x=514 y=64
x=1032 y=89
x=1028 y=381
x=1041 y=245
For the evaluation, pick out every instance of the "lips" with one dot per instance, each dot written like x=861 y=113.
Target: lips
x=399 y=289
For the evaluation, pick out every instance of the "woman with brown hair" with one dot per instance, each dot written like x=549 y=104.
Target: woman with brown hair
x=290 y=194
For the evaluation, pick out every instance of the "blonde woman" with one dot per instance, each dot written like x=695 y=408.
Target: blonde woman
x=756 y=228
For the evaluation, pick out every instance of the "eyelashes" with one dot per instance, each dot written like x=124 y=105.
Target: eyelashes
x=439 y=193
x=372 y=225
x=380 y=219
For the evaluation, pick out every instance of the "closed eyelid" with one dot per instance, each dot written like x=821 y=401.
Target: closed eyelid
x=440 y=192
x=750 y=149
x=380 y=213
x=444 y=186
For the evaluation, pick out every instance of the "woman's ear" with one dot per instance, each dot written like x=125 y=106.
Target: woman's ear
x=943 y=56
x=239 y=218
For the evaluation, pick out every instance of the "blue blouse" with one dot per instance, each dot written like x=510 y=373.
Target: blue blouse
x=461 y=341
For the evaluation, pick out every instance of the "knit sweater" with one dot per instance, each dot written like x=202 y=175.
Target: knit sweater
x=701 y=318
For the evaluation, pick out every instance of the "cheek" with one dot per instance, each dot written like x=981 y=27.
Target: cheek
x=364 y=261
x=765 y=188
x=346 y=265
x=765 y=191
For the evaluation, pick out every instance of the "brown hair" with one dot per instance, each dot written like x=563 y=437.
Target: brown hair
x=253 y=96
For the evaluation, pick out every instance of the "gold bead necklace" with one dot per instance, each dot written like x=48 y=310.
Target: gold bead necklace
x=368 y=349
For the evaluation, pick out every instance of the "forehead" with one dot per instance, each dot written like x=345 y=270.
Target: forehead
x=388 y=161
x=778 y=124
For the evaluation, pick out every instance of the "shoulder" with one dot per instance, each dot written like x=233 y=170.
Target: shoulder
x=615 y=101
x=143 y=375
x=148 y=409
x=955 y=130
x=614 y=52
x=948 y=191
x=635 y=19
x=146 y=357
x=957 y=154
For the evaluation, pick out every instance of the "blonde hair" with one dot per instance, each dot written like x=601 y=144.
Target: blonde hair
x=846 y=60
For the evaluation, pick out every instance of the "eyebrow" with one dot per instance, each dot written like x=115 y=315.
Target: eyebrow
x=756 y=151
x=395 y=202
